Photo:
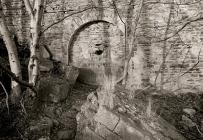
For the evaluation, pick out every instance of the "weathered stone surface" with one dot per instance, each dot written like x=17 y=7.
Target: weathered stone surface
x=111 y=124
x=88 y=134
x=88 y=112
x=189 y=111
x=95 y=60
x=105 y=133
x=127 y=129
x=188 y=122
x=167 y=130
x=93 y=101
x=106 y=117
x=53 y=89
x=57 y=38
x=65 y=134
x=122 y=110
x=71 y=74
x=89 y=108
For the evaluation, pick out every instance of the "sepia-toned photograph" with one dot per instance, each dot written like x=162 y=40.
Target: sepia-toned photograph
x=101 y=69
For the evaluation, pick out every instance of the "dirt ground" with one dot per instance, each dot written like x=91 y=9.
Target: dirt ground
x=170 y=107
x=14 y=126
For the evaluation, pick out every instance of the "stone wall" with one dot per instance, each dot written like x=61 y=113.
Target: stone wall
x=17 y=19
x=166 y=64
x=100 y=48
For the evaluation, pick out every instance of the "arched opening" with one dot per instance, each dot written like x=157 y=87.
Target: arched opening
x=87 y=48
x=92 y=48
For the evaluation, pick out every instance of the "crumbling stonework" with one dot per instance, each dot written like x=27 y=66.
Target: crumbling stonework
x=146 y=63
x=96 y=121
x=100 y=50
x=165 y=64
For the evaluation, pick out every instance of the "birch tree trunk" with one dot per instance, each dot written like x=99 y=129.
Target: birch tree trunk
x=12 y=55
x=131 y=43
x=36 y=13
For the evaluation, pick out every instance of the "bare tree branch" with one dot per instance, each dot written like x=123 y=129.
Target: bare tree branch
x=6 y=95
x=198 y=59
x=199 y=130
x=49 y=52
x=125 y=36
x=188 y=50
x=160 y=67
x=62 y=19
x=29 y=7
x=75 y=33
x=13 y=76
x=165 y=43
x=158 y=2
x=131 y=48
x=12 y=53
x=181 y=28
x=116 y=9
x=177 y=77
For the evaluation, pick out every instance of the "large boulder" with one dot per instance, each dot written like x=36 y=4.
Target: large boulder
x=109 y=125
x=54 y=89
x=101 y=122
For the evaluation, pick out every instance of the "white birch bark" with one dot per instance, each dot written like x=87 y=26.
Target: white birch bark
x=36 y=13
x=12 y=55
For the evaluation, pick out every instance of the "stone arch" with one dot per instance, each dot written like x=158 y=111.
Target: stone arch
x=90 y=49
x=77 y=32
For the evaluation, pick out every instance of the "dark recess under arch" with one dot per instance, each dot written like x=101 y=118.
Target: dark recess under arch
x=77 y=32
